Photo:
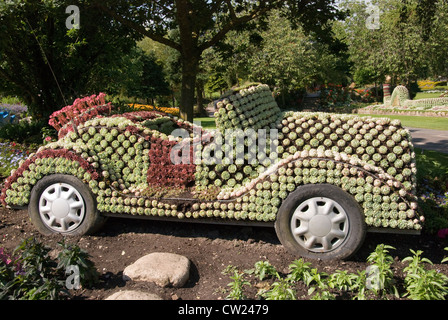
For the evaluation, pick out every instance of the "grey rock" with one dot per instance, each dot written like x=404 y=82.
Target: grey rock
x=133 y=295
x=164 y=269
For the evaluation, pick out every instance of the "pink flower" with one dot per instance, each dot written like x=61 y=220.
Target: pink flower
x=443 y=233
x=48 y=138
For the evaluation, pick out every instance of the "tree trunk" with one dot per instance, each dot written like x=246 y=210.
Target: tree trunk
x=200 y=98
x=187 y=94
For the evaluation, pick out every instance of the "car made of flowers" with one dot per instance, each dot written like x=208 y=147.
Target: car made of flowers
x=322 y=180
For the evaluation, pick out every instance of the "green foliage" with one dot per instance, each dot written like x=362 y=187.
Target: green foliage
x=147 y=79
x=280 y=290
x=237 y=285
x=399 y=48
x=75 y=256
x=83 y=60
x=264 y=269
x=31 y=273
x=207 y=27
x=421 y=283
x=435 y=215
x=299 y=270
x=342 y=280
x=380 y=275
x=364 y=76
x=376 y=282
x=432 y=183
x=446 y=258
x=254 y=54
x=23 y=132
x=433 y=167
x=36 y=278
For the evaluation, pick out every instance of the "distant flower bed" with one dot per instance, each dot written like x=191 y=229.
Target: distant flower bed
x=9 y=113
x=430 y=85
x=335 y=96
x=146 y=107
x=408 y=108
x=400 y=103
x=10 y=156
x=14 y=108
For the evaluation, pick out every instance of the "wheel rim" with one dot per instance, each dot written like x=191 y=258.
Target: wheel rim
x=61 y=207
x=319 y=224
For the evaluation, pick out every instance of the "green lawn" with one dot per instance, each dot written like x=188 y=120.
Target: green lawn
x=206 y=123
x=436 y=123
x=435 y=159
x=425 y=95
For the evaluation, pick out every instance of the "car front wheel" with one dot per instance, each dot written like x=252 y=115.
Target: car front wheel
x=321 y=221
x=63 y=204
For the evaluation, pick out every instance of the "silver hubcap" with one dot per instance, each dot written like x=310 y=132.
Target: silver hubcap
x=319 y=224
x=61 y=207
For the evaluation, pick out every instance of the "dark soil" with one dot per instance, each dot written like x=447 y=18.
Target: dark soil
x=210 y=248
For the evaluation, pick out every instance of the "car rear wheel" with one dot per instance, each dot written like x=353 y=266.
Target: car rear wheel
x=321 y=221
x=63 y=204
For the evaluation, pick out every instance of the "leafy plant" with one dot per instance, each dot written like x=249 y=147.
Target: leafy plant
x=264 y=269
x=299 y=270
x=23 y=132
x=30 y=273
x=237 y=285
x=280 y=290
x=380 y=277
x=360 y=285
x=446 y=258
x=75 y=256
x=375 y=282
x=37 y=278
x=421 y=283
x=343 y=280
x=320 y=286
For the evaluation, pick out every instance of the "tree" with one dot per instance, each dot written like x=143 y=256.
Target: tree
x=202 y=24
x=48 y=65
x=279 y=55
x=147 y=79
x=409 y=41
x=438 y=41
x=289 y=59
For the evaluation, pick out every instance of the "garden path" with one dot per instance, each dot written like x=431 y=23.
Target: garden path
x=428 y=139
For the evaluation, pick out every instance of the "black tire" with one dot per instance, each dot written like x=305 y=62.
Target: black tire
x=51 y=216
x=336 y=235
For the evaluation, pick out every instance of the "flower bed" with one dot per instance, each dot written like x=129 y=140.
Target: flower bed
x=400 y=103
x=145 y=107
x=335 y=96
x=430 y=85
x=10 y=156
x=11 y=113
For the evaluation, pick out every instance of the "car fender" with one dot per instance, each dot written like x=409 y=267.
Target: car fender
x=17 y=189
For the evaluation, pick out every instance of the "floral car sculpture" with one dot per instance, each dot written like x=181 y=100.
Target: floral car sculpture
x=322 y=180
